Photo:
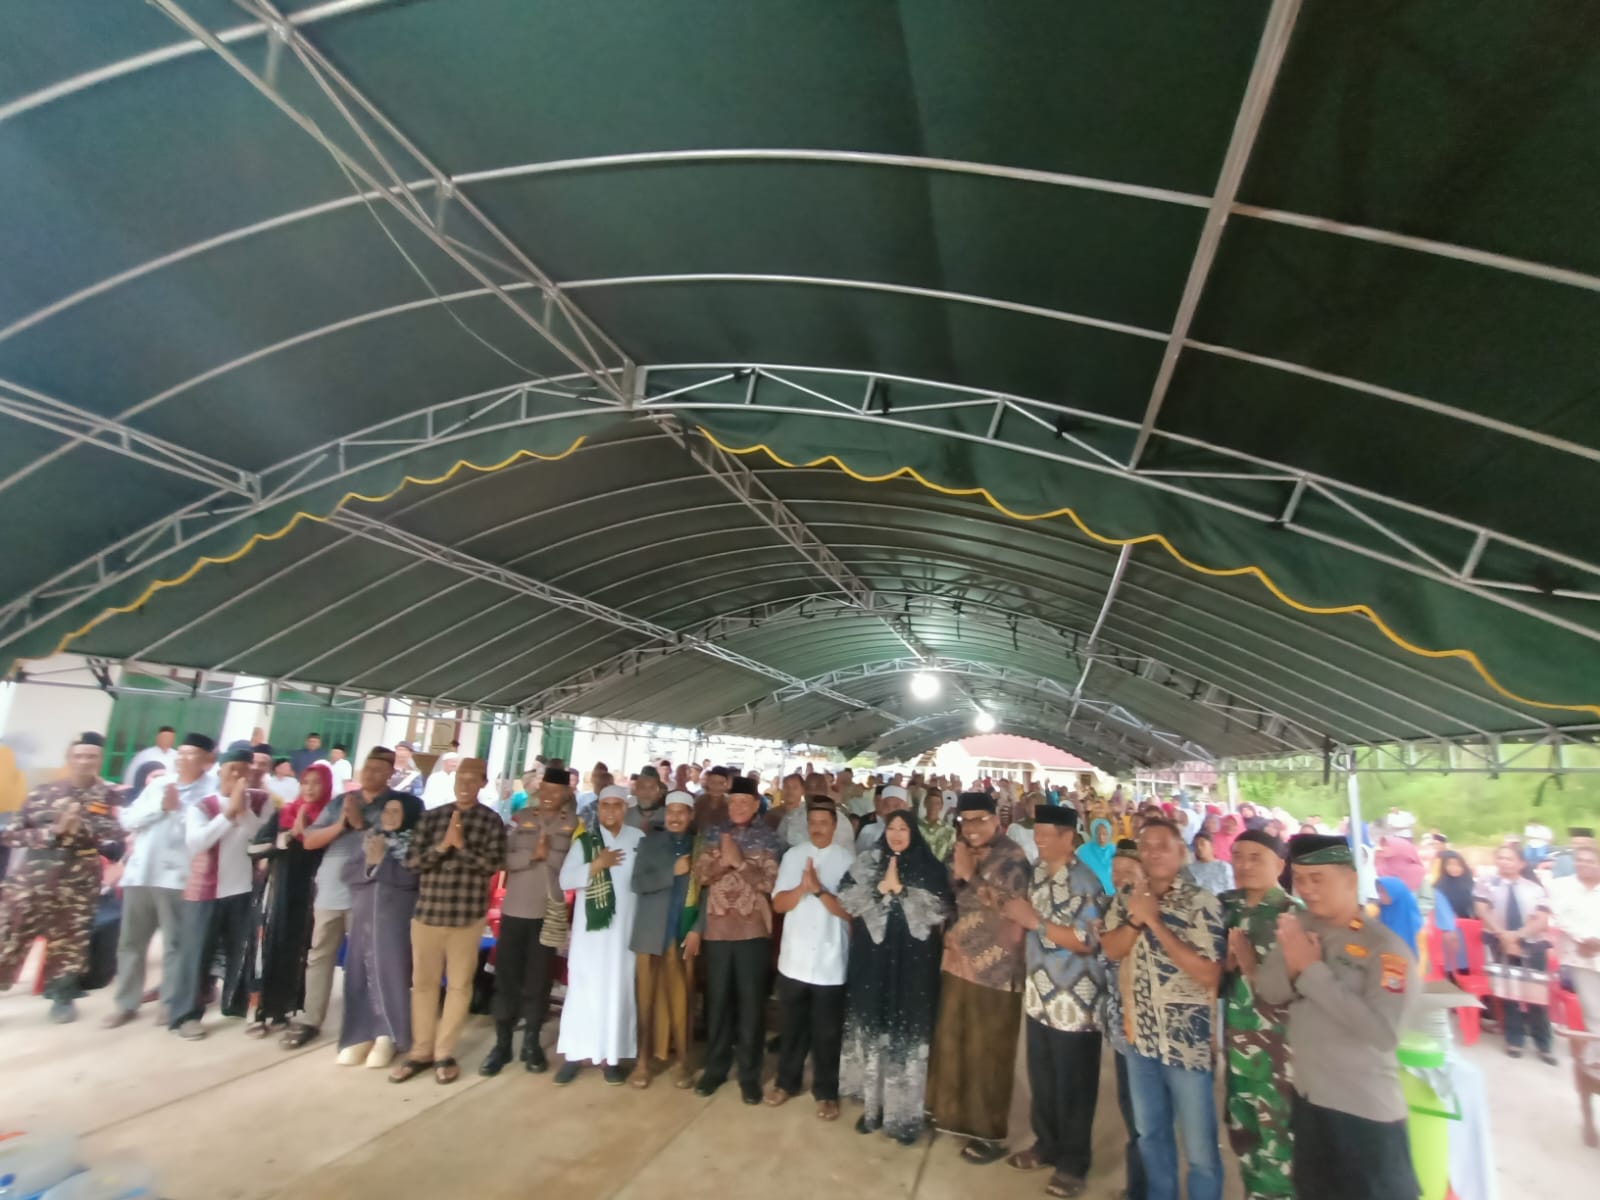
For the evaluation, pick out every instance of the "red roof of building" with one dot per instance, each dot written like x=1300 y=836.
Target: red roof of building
x=1010 y=748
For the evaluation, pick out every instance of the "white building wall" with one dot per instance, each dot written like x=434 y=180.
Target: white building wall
x=40 y=720
x=249 y=710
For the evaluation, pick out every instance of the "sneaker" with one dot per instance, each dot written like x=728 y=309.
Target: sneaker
x=63 y=1012
x=189 y=1031
x=567 y=1073
x=613 y=1075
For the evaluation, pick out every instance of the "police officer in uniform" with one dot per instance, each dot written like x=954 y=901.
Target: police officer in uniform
x=52 y=892
x=1348 y=982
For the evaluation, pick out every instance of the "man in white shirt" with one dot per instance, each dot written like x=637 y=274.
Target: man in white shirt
x=441 y=786
x=339 y=764
x=163 y=752
x=1401 y=823
x=153 y=878
x=811 y=963
x=1536 y=841
x=890 y=799
x=794 y=817
x=1575 y=904
x=215 y=915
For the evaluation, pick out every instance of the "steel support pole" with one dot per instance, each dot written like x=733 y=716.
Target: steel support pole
x=1366 y=880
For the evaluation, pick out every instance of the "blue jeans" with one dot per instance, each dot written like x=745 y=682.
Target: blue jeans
x=1160 y=1094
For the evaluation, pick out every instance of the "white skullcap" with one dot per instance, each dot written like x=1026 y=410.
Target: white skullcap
x=612 y=793
x=895 y=792
x=683 y=798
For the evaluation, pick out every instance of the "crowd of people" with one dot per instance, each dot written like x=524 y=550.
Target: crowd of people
x=910 y=930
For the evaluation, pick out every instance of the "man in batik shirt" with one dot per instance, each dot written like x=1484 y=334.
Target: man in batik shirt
x=1170 y=931
x=1258 y=1097
x=980 y=985
x=1061 y=998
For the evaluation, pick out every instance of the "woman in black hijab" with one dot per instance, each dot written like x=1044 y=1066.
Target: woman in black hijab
x=1452 y=902
x=898 y=896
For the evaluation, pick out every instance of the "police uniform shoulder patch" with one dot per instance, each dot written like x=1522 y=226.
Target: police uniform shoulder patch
x=1394 y=972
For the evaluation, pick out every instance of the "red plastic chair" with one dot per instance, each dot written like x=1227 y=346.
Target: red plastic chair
x=1472 y=981
x=1433 y=941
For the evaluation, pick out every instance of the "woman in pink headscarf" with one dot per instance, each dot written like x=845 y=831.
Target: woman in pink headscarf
x=1398 y=857
x=1222 y=840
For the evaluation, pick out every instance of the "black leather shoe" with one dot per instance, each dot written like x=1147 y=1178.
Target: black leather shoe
x=864 y=1124
x=533 y=1058
x=613 y=1075
x=567 y=1073
x=495 y=1062
x=750 y=1093
x=707 y=1087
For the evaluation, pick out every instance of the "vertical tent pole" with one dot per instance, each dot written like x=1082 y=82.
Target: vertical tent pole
x=1367 y=883
x=1233 y=790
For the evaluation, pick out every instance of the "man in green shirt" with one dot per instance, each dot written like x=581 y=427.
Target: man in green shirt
x=1254 y=1032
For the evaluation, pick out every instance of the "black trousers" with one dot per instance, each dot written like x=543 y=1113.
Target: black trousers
x=1338 y=1156
x=216 y=944
x=811 y=1021
x=736 y=994
x=522 y=977
x=1064 y=1077
x=1131 y=1155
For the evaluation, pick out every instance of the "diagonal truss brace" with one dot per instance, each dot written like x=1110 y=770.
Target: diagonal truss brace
x=394 y=538
x=746 y=487
x=108 y=433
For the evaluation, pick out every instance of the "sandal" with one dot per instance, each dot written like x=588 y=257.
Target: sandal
x=1026 y=1160
x=446 y=1070
x=981 y=1154
x=776 y=1097
x=299 y=1035
x=828 y=1110
x=257 y=1031
x=408 y=1068
x=1065 y=1186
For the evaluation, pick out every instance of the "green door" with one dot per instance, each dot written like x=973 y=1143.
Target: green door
x=135 y=717
x=556 y=738
x=296 y=714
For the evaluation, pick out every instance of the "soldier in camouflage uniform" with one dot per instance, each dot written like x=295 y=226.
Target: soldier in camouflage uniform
x=52 y=892
x=1258 y=1094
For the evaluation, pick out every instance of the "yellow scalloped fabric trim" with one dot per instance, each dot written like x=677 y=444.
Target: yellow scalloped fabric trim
x=256 y=538
x=1157 y=539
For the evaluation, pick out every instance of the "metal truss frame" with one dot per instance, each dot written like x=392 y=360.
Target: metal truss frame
x=746 y=487
x=1401 y=551
x=394 y=538
x=571 y=693
x=36 y=408
x=1018 y=685
x=1247 y=123
x=1515 y=753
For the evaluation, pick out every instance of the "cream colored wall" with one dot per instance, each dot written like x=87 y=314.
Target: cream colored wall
x=38 y=720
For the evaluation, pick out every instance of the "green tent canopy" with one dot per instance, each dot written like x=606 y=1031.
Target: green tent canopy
x=1172 y=381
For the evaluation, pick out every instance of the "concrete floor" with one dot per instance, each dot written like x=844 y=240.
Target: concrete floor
x=229 y=1118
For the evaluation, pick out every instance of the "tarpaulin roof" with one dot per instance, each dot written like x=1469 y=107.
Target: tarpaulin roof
x=1173 y=380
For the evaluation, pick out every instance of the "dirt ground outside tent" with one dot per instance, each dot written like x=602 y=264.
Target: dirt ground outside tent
x=229 y=1118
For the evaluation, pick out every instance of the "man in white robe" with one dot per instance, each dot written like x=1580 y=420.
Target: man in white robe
x=441 y=786
x=599 y=1021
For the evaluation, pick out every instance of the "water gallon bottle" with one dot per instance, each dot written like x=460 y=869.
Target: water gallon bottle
x=32 y=1163
x=112 y=1181
x=1429 y=1123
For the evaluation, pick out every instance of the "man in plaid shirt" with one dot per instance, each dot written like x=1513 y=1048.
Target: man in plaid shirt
x=455 y=851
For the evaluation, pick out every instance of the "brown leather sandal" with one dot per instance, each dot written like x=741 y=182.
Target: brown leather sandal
x=446 y=1070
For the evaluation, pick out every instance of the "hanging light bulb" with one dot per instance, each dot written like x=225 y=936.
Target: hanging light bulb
x=983 y=722
x=924 y=686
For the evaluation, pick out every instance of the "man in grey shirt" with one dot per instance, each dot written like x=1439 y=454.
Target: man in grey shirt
x=1348 y=983
x=337 y=833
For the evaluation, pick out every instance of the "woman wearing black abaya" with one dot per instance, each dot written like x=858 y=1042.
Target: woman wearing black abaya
x=898 y=896
x=283 y=903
